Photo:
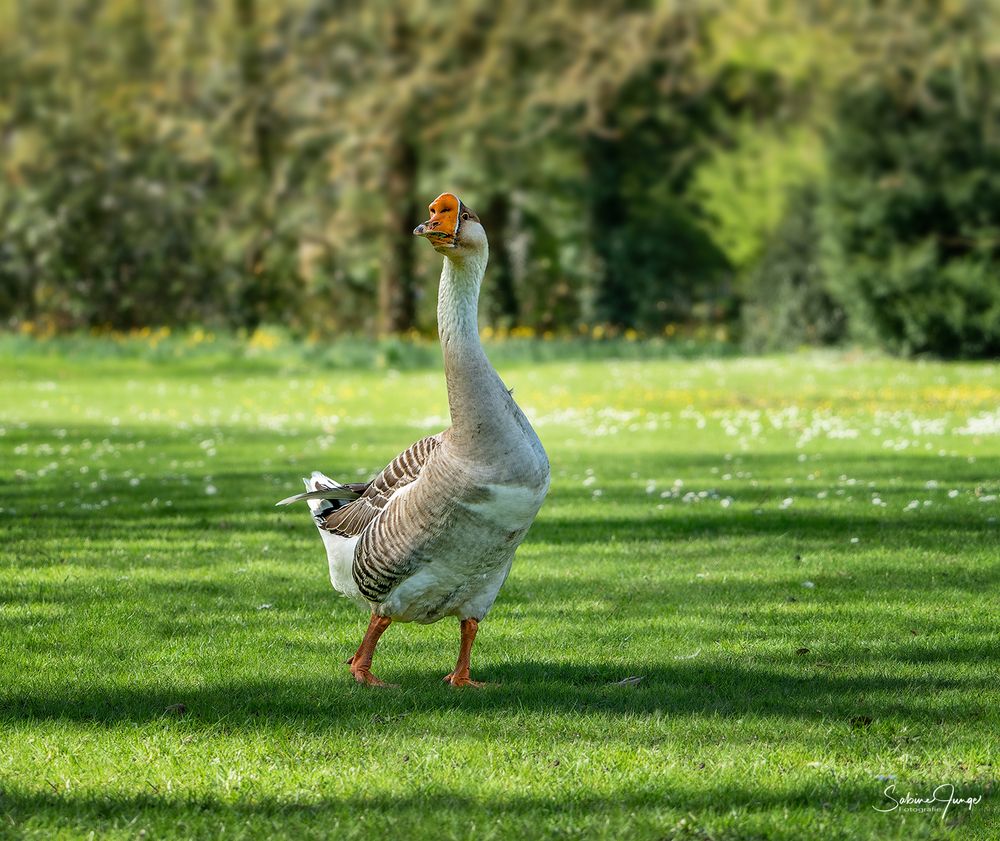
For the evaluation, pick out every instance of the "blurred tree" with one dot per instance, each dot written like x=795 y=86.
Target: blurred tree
x=913 y=198
x=640 y=148
x=786 y=299
x=98 y=223
x=745 y=184
x=238 y=162
x=503 y=308
x=395 y=74
x=108 y=238
x=262 y=288
x=618 y=87
x=311 y=124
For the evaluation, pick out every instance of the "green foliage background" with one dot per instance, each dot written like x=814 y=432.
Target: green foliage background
x=230 y=163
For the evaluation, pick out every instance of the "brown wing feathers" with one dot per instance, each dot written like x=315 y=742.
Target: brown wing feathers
x=353 y=518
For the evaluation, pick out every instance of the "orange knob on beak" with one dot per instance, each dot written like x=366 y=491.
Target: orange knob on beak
x=442 y=227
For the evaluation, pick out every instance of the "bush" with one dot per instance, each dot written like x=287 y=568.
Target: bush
x=106 y=236
x=787 y=302
x=913 y=210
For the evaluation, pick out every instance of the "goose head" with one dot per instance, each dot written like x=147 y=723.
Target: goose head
x=453 y=228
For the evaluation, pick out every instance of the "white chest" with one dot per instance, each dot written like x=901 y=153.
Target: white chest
x=509 y=507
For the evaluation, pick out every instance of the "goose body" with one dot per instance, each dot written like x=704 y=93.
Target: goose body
x=435 y=532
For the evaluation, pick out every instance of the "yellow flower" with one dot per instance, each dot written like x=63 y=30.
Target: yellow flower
x=263 y=339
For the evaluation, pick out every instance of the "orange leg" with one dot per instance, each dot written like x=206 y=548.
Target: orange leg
x=460 y=677
x=361 y=662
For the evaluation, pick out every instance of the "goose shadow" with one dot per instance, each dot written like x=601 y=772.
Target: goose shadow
x=796 y=690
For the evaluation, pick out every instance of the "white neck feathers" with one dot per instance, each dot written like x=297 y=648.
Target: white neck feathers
x=458 y=300
x=476 y=396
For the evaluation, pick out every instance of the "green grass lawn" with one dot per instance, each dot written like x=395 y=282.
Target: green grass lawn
x=799 y=556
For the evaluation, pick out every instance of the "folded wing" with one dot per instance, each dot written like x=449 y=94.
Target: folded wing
x=355 y=517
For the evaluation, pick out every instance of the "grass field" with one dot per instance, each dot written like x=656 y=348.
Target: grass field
x=798 y=556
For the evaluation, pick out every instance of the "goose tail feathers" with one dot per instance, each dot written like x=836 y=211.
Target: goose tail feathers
x=322 y=489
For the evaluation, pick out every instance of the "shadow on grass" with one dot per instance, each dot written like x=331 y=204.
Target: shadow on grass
x=710 y=812
x=728 y=689
x=246 y=506
x=436 y=812
x=733 y=688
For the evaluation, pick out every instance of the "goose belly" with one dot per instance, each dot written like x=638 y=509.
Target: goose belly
x=441 y=589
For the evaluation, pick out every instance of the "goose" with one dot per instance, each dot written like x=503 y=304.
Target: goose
x=434 y=534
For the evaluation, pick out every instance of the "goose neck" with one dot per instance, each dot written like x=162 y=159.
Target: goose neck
x=475 y=392
x=458 y=302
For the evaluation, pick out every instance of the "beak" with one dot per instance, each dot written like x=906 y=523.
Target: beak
x=433 y=232
x=442 y=227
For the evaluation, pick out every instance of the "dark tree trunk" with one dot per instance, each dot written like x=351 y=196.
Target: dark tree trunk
x=608 y=211
x=397 y=304
x=503 y=306
x=261 y=294
x=254 y=86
